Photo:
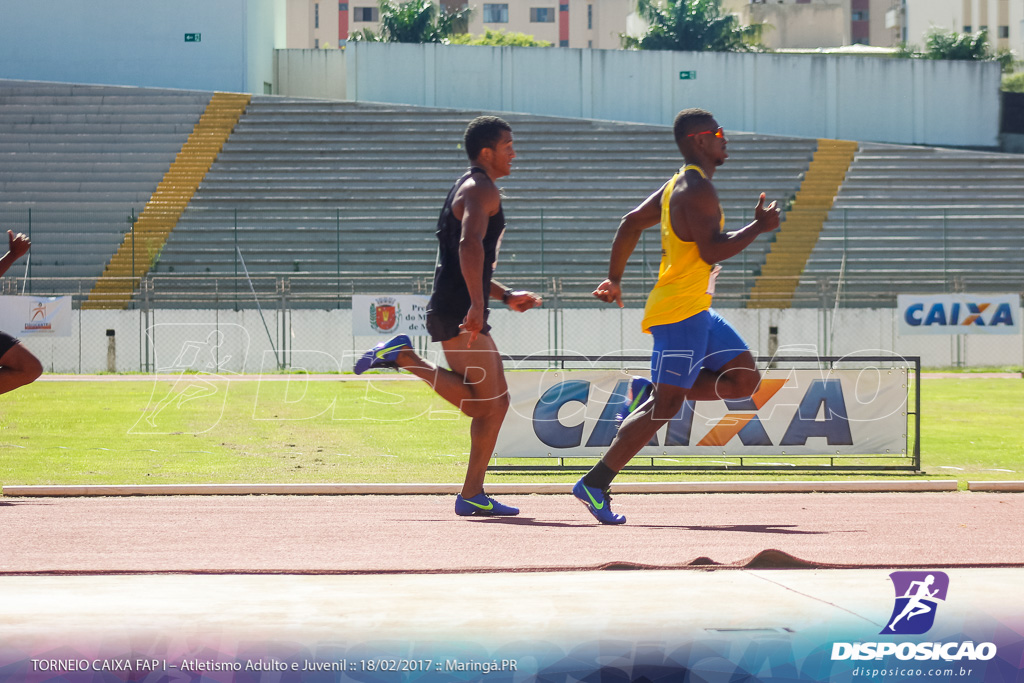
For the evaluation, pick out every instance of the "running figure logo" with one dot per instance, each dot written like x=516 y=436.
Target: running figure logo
x=917 y=598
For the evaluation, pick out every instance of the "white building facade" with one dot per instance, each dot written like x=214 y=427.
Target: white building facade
x=599 y=24
x=1004 y=20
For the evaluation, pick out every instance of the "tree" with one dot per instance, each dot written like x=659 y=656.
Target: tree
x=692 y=25
x=942 y=44
x=1014 y=83
x=415 y=21
x=499 y=37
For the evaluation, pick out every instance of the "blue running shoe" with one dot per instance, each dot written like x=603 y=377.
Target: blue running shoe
x=640 y=389
x=598 y=502
x=483 y=506
x=382 y=355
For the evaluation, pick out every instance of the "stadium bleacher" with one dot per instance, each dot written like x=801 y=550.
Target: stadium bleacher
x=355 y=188
x=332 y=198
x=921 y=220
x=77 y=162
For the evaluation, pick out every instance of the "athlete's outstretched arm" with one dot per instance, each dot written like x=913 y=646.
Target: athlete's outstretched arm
x=632 y=225
x=700 y=211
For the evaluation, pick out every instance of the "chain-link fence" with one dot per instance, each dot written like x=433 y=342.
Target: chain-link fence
x=275 y=286
x=305 y=323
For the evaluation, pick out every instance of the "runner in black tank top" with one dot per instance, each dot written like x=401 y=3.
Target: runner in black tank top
x=450 y=300
x=474 y=381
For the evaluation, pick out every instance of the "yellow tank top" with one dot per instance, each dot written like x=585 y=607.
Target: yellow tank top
x=685 y=281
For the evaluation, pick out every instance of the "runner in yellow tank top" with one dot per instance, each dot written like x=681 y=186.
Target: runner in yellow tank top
x=697 y=355
x=685 y=281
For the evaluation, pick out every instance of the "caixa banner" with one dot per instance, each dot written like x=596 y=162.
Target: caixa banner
x=959 y=314
x=794 y=412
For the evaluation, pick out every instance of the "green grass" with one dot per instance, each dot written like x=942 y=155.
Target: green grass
x=95 y=432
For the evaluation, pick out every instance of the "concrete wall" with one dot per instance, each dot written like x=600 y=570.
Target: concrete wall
x=125 y=42
x=322 y=341
x=310 y=73
x=858 y=98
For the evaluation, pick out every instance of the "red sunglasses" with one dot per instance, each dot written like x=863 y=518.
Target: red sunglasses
x=717 y=133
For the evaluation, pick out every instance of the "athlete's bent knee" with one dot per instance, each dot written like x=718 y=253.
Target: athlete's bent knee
x=740 y=384
x=490 y=407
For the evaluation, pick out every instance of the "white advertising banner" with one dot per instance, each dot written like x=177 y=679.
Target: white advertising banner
x=35 y=316
x=389 y=314
x=959 y=313
x=794 y=412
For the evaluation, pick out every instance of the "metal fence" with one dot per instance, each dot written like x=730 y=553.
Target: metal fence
x=304 y=323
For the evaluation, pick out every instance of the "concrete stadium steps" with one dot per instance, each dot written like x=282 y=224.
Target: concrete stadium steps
x=312 y=181
x=371 y=178
x=140 y=249
x=76 y=162
x=922 y=220
x=799 y=231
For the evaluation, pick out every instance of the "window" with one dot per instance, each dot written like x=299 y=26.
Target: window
x=590 y=16
x=1004 y=32
x=860 y=16
x=366 y=14
x=342 y=6
x=542 y=15
x=563 y=43
x=967 y=28
x=316 y=15
x=496 y=14
x=316 y=43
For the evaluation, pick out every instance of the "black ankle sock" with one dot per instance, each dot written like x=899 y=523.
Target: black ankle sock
x=600 y=477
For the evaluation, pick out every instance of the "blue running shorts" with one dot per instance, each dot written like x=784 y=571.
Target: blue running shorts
x=681 y=349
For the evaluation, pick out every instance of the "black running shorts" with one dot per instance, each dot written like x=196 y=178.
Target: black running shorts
x=7 y=342
x=442 y=328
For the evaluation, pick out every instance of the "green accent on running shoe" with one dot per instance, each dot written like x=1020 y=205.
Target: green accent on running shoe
x=597 y=506
x=381 y=352
x=488 y=507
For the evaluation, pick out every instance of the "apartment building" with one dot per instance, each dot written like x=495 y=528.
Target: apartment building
x=1004 y=20
x=599 y=23
x=567 y=23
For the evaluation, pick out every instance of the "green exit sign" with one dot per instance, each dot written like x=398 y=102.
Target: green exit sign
x=193 y=37
x=687 y=75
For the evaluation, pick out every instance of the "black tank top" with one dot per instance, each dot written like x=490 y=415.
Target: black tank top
x=450 y=296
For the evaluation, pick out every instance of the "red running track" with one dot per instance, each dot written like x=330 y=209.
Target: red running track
x=372 y=534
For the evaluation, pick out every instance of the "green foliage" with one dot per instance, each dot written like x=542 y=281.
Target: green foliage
x=1014 y=83
x=415 y=21
x=693 y=25
x=499 y=37
x=942 y=44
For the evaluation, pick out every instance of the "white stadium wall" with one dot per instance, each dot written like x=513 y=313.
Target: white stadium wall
x=832 y=96
x=322 y=341
x=126 y=42
x=310 y=73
